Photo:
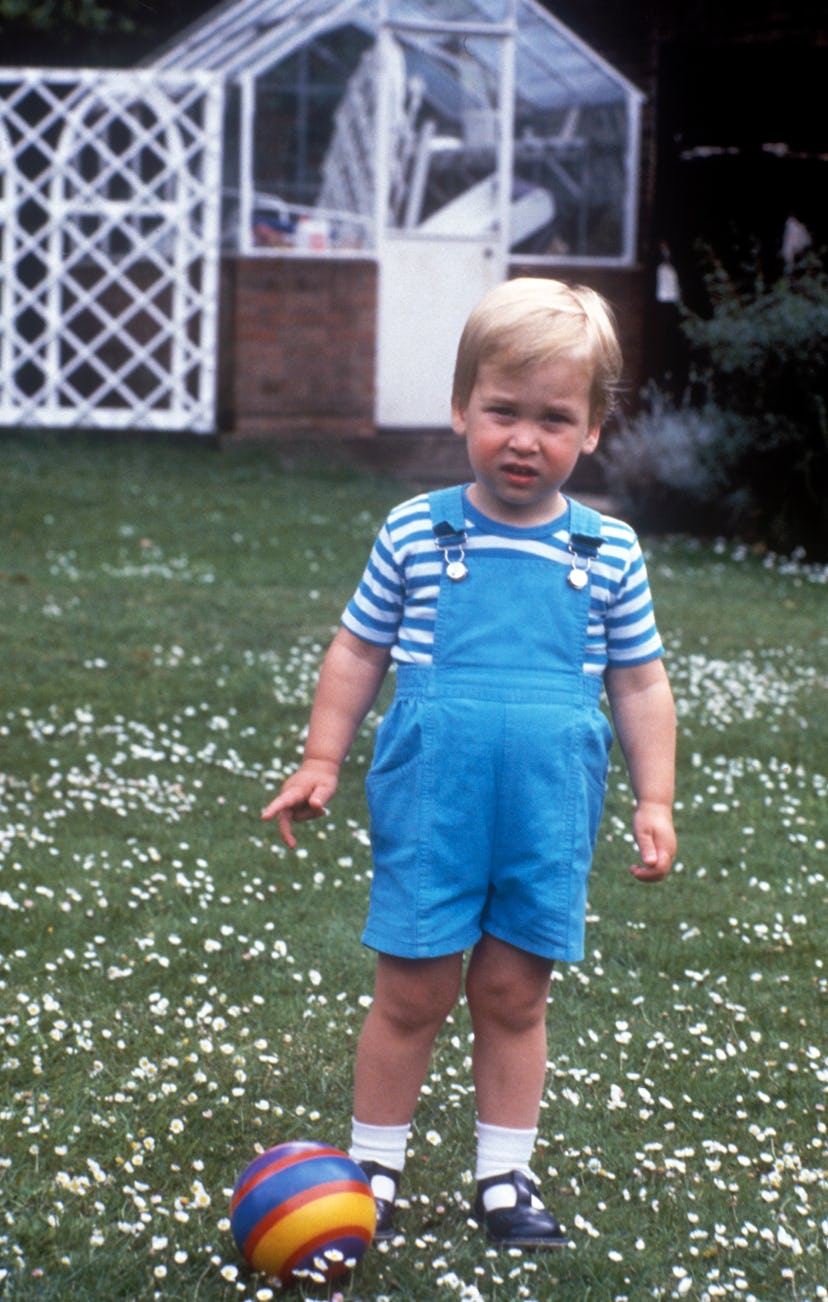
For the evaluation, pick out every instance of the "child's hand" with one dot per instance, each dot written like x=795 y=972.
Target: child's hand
x=303 y=796
x=656 y=841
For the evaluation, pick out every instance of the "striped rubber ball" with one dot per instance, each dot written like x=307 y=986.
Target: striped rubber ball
x=303 y=1211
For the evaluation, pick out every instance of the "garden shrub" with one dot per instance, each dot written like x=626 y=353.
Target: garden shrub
x=661 y=467
x=762 y=356
x=748 y=446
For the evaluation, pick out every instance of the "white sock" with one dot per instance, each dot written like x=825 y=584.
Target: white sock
x=500 y=1151
x=383 y=1144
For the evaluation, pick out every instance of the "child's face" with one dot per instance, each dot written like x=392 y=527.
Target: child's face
x=524 y=433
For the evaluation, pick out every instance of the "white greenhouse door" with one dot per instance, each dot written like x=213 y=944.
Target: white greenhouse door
x=427 y=287
x=444 y=190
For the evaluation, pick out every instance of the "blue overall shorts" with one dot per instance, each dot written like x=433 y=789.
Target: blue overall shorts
x=489 y=772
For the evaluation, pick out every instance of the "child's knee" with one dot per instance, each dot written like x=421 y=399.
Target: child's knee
x=513 y=994
x=515 y=1008
x=416 y=995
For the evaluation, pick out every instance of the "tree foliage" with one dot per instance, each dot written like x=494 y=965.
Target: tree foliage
x=69 y=15
x=96 y=32
x=762 y=354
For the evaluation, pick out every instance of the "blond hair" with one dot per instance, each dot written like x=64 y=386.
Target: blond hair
x=531 y=320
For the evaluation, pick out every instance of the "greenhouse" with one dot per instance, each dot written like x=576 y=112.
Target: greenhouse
x=442 y=139
x=279 y=223
x=351 y=122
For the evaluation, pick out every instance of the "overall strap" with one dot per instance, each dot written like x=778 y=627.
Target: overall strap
x=584 y=529
x=447 y=517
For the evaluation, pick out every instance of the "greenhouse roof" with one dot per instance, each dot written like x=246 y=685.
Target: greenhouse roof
x=246 y=37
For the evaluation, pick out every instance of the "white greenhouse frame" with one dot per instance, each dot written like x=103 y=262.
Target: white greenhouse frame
x=109 y=248
x=554 y=71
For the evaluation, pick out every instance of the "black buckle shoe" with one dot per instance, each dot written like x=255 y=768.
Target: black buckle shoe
x=384 y=1229
x=525 y=1225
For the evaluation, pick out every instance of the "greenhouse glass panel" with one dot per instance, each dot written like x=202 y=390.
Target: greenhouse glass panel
x=296 y=104
x=469 y=12
x=312 y=145
x=446 y=130
x=555 y=68
x=577 y=156
x=572 y=134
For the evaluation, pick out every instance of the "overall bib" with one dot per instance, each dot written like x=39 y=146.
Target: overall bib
x=489 y=772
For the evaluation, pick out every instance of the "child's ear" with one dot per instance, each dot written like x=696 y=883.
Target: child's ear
x=591 y=440
x=458 y=419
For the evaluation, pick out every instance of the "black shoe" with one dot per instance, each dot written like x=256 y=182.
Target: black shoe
x=526 y=1224
x=384 y=1228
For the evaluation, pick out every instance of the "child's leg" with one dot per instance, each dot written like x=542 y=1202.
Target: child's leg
x=412 y=998
x=507 y=990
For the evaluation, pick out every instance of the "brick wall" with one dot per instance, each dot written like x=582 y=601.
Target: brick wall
x=297 y=345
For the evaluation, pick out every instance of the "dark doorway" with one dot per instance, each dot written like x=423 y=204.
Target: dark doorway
x=742 y=143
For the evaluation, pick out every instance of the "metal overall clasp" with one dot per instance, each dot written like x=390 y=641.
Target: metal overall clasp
x=452 y=545
x=583 y=549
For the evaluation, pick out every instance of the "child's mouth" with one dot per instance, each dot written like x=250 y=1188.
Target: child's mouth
x=521 y=474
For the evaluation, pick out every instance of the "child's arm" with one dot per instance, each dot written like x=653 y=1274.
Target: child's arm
x=645 y=723
x=350 y=678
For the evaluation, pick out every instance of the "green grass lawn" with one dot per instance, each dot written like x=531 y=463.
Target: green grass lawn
x=177 y=991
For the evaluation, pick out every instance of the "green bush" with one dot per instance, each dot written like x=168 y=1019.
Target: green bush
x=746 y=451
x=762 y=360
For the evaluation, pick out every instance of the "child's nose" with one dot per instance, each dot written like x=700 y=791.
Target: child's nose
x=523 y=435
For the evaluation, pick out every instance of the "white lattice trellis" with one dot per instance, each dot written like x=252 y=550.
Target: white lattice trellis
x=110 y=187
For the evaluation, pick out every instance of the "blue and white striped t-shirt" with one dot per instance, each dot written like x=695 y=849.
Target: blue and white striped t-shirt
x=395 y=604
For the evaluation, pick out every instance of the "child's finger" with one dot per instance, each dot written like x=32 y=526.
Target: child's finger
x=284 y=822
x=290 y=797
x=285 y=800
x=645 y=874
x=655 y=862
x=313 y=807
x=294 y=807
